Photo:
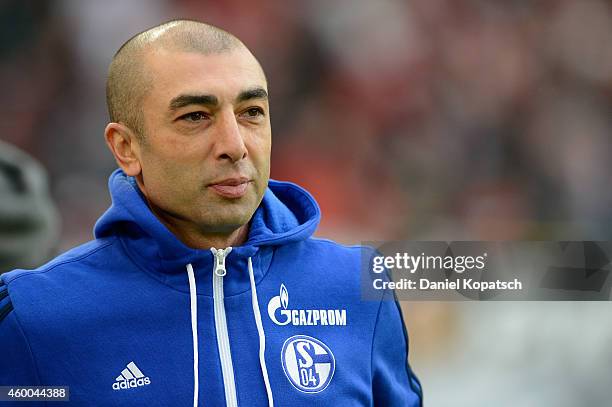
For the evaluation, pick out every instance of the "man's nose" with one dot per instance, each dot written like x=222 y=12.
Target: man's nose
x=229 y=143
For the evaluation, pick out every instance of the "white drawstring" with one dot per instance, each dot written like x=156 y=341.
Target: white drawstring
x=194 y=331
x=193 y=297
x=262 y=335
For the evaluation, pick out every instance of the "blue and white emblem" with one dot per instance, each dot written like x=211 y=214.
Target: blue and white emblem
x=308 y=363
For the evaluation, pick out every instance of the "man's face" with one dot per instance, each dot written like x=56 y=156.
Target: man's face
x=206 y=154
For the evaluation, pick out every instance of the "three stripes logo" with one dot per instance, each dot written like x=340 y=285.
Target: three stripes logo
x=130 y=377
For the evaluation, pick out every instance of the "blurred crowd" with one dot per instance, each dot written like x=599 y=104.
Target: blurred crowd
x=406 y=119
x=420 y=119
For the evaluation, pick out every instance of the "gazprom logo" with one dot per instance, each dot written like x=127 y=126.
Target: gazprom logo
x=280 y=314
x=308 y=363
x=284 y=296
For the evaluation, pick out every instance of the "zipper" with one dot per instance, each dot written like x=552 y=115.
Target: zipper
x=227 y=367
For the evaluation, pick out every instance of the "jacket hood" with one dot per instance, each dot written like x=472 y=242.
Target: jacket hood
x=286 y=214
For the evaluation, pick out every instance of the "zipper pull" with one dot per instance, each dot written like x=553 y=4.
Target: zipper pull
x=220 y=255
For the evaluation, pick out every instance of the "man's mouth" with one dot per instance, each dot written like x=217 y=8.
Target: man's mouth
x=231 y=187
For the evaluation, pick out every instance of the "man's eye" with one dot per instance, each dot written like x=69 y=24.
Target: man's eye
x=254 y=112
x=194 y=116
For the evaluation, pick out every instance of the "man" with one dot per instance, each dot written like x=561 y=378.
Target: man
x=163 y=307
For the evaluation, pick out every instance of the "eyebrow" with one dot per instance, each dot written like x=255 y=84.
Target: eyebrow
x=253 y=93
x=186 y=100
x=211 y=100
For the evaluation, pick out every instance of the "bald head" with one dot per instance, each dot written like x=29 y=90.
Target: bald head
x=128 y=77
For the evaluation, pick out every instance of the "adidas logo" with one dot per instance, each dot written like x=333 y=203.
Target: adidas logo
x=130 y=377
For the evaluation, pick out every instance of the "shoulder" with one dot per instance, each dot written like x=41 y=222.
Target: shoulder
x=349 y=257
x=326 y=261
x=329 y=247
x=37 y=290
x=55 y=267
x=325 y=250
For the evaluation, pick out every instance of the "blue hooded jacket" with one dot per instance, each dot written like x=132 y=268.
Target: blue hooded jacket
x=136 y=318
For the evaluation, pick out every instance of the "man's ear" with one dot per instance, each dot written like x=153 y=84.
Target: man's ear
x=125 y=147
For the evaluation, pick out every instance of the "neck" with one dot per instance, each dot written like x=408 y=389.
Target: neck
x=200 y=238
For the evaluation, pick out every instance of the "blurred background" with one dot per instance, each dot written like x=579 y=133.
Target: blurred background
x=420 y=119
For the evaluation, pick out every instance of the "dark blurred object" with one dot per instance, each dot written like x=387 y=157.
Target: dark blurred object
x=29 y=227
x=20 y=22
